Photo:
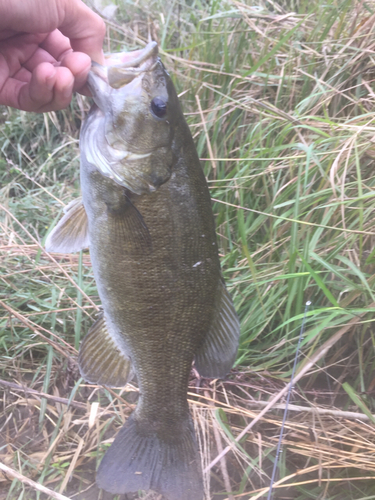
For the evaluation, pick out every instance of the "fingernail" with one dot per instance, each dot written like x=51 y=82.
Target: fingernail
x=50 y=80
x=67 y=92
x=99 y=58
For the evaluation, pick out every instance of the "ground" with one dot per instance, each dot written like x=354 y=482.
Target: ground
x=279 y=97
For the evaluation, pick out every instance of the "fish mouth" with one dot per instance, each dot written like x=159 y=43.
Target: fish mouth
x=123 y=67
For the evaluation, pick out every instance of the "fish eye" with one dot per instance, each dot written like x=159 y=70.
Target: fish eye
x=159 y=107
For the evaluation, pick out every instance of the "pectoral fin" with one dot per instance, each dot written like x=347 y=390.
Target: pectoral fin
x=71 y=233
x=218 y=353
x=131 y=232
x=100 y=360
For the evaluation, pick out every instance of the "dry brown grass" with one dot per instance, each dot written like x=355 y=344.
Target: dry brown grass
x=289 y=152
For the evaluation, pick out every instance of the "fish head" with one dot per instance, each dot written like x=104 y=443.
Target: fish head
x=132 y=126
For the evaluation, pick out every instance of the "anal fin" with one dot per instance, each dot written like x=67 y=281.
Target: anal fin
x=71 y=233
x=100 y=360
x=216 y=356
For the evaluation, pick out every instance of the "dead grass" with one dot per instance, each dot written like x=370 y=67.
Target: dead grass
x=320 y=449
x=279 y=97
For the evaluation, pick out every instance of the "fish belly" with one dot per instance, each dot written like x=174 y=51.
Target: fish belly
x=158 y=293
x=158 y=298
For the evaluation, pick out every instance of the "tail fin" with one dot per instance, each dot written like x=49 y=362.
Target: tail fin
x=139 y=460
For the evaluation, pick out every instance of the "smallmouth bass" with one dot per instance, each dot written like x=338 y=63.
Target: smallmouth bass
x=146 y=216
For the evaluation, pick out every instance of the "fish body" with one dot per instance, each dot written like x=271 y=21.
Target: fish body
x=146 y=216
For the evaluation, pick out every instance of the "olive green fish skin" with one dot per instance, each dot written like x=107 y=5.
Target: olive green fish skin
x=160 y=299
x=151 y=232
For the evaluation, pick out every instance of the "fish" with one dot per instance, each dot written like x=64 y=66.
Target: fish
x=147 y=219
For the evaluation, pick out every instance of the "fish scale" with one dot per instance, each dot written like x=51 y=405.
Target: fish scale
x=146 y=216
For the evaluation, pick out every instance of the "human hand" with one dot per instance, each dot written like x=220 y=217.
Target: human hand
x=46 y=47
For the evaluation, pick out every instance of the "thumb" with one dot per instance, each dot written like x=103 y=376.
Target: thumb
x=84 y=28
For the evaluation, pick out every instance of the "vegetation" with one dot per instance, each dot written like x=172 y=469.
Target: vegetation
x=279 y=96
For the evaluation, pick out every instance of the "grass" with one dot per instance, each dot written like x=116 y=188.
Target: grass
x=279 y=97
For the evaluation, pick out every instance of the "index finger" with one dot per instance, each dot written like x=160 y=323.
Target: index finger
x=56 y=44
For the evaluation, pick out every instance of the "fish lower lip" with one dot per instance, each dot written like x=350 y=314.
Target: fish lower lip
x=99 y=70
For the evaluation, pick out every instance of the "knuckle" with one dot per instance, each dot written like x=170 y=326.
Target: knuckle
x=102 y=28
